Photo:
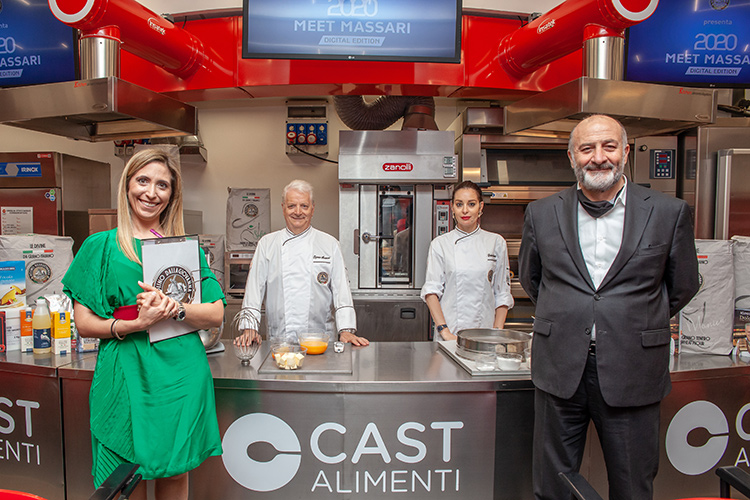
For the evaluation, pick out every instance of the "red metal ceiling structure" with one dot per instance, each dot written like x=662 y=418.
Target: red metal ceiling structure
x=201 y=60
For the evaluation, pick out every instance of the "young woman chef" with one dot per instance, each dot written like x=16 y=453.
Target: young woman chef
x=468 y=277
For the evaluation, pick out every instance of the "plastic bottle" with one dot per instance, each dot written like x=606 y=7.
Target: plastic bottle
x=27 y=332
x=41 y=323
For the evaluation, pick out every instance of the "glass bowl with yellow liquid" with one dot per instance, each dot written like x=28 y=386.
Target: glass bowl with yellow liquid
x=315 y=342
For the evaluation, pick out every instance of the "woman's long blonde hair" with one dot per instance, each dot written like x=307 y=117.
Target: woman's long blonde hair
x=170 y=219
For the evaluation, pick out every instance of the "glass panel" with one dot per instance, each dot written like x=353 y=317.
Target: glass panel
x=529 y=167
x=739 y=196
x=396 y=207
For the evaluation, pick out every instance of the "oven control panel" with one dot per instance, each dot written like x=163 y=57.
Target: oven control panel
x=662 y=164
x=442 y=217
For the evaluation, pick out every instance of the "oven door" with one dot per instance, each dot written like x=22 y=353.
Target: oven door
x=386 y=251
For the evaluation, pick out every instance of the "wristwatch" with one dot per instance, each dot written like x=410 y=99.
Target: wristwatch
x=180 y=316
x=442 y=327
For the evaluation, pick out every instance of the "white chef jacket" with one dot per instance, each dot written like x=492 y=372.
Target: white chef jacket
x=304 y=280
x=470 y=274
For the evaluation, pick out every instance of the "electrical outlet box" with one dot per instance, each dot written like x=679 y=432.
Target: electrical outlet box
x=307 y=127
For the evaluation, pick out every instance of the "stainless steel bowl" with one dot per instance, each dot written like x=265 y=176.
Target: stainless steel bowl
x=475 y=341
x=211 y=337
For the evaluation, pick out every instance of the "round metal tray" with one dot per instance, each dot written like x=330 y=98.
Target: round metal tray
x=475 y=341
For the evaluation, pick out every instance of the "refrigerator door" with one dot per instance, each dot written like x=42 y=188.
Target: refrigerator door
x=733 y=194
x=17 y=205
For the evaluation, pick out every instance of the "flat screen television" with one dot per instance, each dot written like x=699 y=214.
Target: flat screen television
x=692 y=43
x=356 y=30
x=35 y=47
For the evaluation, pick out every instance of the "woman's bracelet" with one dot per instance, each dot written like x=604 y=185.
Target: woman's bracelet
x=113 y=330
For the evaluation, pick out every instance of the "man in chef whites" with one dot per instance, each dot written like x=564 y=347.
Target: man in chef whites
x=301 y=272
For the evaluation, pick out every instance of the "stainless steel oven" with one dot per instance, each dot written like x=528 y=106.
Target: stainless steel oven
x=394 y=196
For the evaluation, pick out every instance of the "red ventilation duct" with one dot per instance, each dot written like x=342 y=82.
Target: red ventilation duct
x=564 y=29
x=142 y=32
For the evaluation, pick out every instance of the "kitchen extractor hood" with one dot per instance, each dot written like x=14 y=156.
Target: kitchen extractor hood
x=190 y=148
x=98 y=109
x=644 y=109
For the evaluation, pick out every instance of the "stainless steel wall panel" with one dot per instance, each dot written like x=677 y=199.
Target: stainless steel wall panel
x=733 y=194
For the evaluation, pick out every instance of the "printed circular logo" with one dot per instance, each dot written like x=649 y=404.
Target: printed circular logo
x=719 y=4
x=177 y=283
x=261 y=475
x=39 y=273
x=250 y=209
x=322 y=278
x=694 y=460
x=490 y=275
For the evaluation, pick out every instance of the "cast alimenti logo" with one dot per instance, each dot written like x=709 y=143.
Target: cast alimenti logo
x=322 y=462
x=691 y=459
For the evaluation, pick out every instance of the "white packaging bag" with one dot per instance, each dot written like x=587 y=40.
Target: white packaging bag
x=706 y=322
x=47 y=259
x=248 y=218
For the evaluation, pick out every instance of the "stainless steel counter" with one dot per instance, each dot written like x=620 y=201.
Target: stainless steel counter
x=408 y=420
x=413 y=365
x=379 y=367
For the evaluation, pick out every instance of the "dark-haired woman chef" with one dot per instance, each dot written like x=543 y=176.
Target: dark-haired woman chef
x=468 y=277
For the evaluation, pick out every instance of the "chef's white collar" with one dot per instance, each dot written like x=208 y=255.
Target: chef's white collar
x=465 y=233
x=290 y=235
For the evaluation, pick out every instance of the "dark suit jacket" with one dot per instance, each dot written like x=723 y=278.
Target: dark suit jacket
x=653 y=276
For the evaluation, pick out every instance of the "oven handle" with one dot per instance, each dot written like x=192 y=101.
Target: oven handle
x=356 y=242
x=367 y=237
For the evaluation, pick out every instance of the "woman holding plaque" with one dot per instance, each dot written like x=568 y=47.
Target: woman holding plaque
x=151 y=404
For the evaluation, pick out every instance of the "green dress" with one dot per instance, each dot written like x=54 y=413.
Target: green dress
x=151 y=404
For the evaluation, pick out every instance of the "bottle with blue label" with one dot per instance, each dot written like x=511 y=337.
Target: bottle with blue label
x=41 y=324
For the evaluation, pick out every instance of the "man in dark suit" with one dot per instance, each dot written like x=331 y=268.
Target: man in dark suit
x=607 y=263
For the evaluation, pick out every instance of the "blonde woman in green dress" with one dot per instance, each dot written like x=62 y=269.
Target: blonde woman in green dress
x=151 y=404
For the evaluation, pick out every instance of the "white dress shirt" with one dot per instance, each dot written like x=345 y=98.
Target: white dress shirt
x=600 y=239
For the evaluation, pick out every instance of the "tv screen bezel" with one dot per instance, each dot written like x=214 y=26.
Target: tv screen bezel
x=455 y=59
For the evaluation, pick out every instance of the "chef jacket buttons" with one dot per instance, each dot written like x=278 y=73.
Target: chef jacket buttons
x=597 y=296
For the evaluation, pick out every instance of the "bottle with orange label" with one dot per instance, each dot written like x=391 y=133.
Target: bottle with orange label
x=41 y=323
x=27 y=332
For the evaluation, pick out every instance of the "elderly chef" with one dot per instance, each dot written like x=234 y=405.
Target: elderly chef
x=302 y=274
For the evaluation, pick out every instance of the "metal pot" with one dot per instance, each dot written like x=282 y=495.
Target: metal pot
x=475 y=341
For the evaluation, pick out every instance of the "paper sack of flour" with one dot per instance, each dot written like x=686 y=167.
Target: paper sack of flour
x=47 y=259
x=706 y=322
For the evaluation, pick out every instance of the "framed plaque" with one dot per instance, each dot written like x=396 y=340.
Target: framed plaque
x=172 y=265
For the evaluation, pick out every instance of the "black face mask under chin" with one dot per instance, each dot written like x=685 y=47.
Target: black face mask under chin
x=596 y=208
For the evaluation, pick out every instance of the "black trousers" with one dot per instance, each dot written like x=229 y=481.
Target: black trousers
x=629 y=438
